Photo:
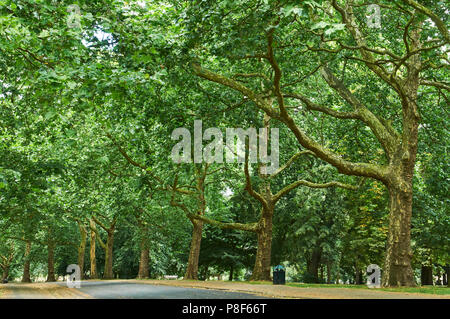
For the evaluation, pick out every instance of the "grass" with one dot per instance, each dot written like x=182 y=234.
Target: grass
x=435 y=290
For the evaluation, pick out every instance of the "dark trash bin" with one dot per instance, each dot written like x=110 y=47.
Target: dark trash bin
x=279 y=275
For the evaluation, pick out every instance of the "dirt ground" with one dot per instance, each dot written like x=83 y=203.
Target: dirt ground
x=39 y=291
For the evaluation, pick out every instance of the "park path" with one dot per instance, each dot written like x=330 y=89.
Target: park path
x=286 y=292
x=39 y=291
x=180 y=289
x=113 y=289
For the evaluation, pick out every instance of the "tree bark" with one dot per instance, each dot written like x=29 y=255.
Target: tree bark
x=312 y=266
x=51 y=261
x=328 y=272
x=426 y=275
x=5 y=273
x=82 y=248
x=144 y=259
x=230 y=278
x=322 y=278
x=92 y=257
x=397 y=267
x=27 y=259
x=194 y=253
x=261 y=269
x=108 y=273
x=108 y=246
x=358 y=275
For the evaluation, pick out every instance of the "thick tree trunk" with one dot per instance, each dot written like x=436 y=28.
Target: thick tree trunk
x=82 y=249
x=261 y=269
x=397 y=267
x=92 y=258
x=312 y=266
x=194 y=253
x=5 y=273
x=26 y=265
x=144 y=259
x=108 y=273
x=145 y=251
x=51 y=261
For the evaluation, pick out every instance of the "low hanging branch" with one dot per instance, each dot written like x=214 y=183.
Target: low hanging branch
x=131 y=161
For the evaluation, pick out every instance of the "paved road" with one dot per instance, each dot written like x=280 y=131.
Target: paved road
x=114 y=290
x=117 y=290
x=179 y=289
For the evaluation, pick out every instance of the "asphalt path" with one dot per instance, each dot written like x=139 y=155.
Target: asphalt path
x=123 y=290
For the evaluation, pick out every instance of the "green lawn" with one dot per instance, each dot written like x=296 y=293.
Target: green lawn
x=423 y=289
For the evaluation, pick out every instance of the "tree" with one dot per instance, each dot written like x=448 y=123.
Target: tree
x=402 y=73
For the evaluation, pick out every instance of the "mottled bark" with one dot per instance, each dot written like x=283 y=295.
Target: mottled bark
x=201 y=172
x=108 y=271
x=92 y=257
x=108 y=246
x=261 y=269
x=397 y=267
x=27 y=260
x=5 y=262
x=144 y=258
x=51 y=261
x=82 y=248
x=194 y=252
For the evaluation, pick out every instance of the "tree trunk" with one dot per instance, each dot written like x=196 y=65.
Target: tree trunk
x=51 y=261
x=5 y=274
x=108 y=274
x=426 y=275
x=144 y=259
x=82 y=248
x=92 y=257
x=322 y=278
x=328 y=272
x=312 y=266
x=261 y=269
x=194 y=253
x=230 y=278
x=397 y=267
x=27 y=259
x=358 y=275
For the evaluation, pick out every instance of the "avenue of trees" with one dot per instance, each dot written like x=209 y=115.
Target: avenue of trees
x=91 y=92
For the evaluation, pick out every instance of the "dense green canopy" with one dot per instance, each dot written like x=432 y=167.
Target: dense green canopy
x=92 y=91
